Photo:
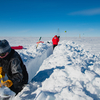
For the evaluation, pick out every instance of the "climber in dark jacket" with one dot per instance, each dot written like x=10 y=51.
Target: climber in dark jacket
x=12 y=65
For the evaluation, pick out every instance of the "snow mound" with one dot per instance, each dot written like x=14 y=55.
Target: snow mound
x=33 y=58
x=70 y=73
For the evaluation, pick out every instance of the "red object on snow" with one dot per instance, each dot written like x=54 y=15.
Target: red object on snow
x=39 y=42
x=17 y=47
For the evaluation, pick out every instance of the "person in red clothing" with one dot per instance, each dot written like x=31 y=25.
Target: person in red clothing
x=55 y=41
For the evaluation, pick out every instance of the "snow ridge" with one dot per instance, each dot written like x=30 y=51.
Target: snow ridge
x=70 y=73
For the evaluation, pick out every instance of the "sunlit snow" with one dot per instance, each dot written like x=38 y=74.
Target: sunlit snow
x=70 y=72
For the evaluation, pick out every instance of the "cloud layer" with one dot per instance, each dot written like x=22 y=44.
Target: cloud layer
x=86 y=12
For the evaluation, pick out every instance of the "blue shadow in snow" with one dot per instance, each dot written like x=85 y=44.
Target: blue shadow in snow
x=94 y=96
x=23 y=56
x=42 y=75
x=29 y=95
x=83 y=69
x=88 y=63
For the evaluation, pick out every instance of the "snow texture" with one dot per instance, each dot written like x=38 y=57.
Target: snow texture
x=70 y=72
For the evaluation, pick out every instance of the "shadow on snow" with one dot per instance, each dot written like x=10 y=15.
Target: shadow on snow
x=37 y=80
x=42 y=75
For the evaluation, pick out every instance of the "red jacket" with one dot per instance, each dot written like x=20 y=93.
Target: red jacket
x=55 y=40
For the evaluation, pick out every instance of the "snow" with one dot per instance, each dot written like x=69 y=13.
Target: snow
x=70 y=72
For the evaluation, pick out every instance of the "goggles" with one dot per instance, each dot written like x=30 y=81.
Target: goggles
x=3 y=55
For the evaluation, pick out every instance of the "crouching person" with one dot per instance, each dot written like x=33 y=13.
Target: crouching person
x=11 y=64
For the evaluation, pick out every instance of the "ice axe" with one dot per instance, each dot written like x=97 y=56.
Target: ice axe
x=38 y=42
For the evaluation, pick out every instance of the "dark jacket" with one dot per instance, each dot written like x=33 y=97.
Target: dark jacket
x=15 y=69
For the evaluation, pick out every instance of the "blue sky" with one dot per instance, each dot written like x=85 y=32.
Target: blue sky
x=49 y=17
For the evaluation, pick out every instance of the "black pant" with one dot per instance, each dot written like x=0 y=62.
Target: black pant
x=54 y=46
x=16 y=90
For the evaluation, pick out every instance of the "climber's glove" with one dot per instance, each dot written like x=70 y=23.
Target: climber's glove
x=8 y=83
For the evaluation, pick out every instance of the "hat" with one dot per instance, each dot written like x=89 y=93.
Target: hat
x=4 y=46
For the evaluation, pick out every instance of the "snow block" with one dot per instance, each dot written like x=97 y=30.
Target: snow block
x=34 y=60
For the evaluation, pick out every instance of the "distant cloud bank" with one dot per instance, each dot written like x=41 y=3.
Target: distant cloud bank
x=86 y=12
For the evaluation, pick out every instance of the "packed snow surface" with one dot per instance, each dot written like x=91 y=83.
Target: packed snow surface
x=69 y=72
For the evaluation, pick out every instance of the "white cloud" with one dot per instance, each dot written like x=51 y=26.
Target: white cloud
x=95 y=11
